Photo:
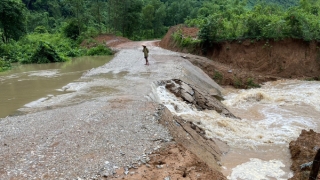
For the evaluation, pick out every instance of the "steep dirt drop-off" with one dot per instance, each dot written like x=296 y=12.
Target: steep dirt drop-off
x=191 y=156
x=172 y=162
x=303 y=151
x=261 y=61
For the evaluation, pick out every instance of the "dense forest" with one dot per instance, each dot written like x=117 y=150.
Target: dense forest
x=41 y=31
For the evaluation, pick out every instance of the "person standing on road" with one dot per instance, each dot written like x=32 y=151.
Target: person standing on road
x=146 y=53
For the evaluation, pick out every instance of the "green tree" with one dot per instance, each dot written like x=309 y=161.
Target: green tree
x=179 y=10
x=97 y=9
x=35 y=19
x=148 y=18
x=12 y=21
x=78 y=9
x=125 y=16
x=131 y=17
x=154 y=15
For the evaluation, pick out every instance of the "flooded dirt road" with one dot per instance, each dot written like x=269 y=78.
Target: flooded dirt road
x=107 y=120
x=26 y=83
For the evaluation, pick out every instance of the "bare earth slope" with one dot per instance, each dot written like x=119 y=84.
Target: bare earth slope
x=264 y=60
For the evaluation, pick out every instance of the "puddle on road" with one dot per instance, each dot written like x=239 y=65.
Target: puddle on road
x=26 y=83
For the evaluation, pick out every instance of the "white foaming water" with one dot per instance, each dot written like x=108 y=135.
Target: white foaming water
x=278 y=125
x=258 y=170
x=278 y=103
x=272 y=115
x=292 y=92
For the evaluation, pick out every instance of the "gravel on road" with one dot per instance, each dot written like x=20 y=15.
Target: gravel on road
x=107 y=121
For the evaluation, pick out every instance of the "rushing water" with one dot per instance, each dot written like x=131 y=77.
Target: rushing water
x=271 y=117
x=27 y=83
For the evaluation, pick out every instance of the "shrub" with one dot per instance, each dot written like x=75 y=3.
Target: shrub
x=11 y=51
x=62 y=45
x=45 y=53
x=40 y=29
x=4 y=64
x=252 y=84
x=237 y=82
x=213 y=31
x=99 y=50
x=75 y=52
x=217 y=76
x=72 y=30
x=24 y=50
x=182 y=41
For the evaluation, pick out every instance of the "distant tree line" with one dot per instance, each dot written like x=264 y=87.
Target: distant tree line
x=135 y=19
x=27 y=22
x=235 y=20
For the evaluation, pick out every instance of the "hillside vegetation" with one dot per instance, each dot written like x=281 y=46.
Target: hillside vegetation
x=283 y=3
x=231 y=20
x=26 y=25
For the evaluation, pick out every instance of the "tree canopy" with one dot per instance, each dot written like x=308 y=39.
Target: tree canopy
x=234 y=20
x=219 y=20
x=140 y=19
x=12 y=21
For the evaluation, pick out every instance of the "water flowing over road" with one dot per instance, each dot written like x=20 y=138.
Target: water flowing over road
x=32 y=82
x=108 y=119
x=271 y=117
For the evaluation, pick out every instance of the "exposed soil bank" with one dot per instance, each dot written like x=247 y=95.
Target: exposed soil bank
x=172 y=162
x=303 y=151
x=191 y=156
x=263 y=60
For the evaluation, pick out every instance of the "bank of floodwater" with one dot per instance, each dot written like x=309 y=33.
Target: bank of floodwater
x=26 y=83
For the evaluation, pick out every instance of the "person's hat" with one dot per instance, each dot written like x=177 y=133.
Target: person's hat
x=143 y=45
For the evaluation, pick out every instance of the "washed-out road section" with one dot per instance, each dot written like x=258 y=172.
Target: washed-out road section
x=107 y=121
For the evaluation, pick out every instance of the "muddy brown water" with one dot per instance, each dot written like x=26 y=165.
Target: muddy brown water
x=280 y=108
x=27 y=83
x=272 y=116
